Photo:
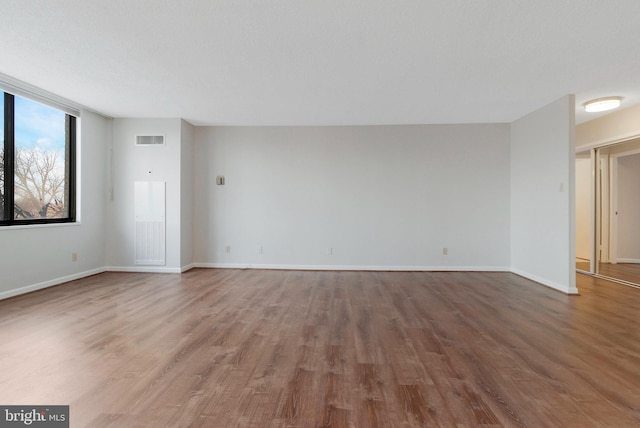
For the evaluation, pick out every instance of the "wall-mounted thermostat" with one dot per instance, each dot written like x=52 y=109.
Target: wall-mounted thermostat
x=220 y=180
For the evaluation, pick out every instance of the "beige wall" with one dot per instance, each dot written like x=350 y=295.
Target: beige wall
x=584 y=181
x=628 y=209
x=620 y=125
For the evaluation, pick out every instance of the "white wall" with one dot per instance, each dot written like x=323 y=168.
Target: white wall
x=39 y=256
x=542 y=196
x=186 y=194
x=378 y=196
x=628 y=231
x=133 y=163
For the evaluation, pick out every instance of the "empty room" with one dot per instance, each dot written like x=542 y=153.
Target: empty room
x=288 y=213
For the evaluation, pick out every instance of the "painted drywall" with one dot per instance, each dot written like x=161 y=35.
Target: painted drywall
x=187 y=135
x=378 y=197
x=584 y=184
x=133 y=163
x=624 y=148
x=628 y=209
x=40 y=256
x=542 y=195
x=619 y=125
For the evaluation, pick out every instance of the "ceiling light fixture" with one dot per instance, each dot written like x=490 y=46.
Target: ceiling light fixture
x=602 y=104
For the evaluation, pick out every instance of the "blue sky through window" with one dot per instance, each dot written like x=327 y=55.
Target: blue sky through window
x=38 y=125
x=39 y=169
x=39 y=173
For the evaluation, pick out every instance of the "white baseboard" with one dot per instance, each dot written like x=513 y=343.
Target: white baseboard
x=50 y=283
x=149 y=269
x=187 y=267
x=142 y=269
x=627 y=260
x=356 y=267
x=545 y=282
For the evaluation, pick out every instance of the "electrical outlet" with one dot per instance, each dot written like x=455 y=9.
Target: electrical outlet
x=74 y=257
x=227 y=249
x=445 y=251
x=260 y=249
x=330 y=251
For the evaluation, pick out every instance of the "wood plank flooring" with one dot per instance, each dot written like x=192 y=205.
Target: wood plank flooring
x=250 y=348
x=624 y=271
x=629 y=272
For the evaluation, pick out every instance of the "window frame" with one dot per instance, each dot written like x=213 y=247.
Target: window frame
x=9 y=167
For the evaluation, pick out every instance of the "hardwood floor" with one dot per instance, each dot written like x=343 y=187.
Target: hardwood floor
x=236 y=348
x=624 y=271
x=629 y=272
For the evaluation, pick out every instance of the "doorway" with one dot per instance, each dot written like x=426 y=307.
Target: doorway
x=608 y=211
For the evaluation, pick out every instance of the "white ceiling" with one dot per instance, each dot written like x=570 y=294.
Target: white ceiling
x=324 y=62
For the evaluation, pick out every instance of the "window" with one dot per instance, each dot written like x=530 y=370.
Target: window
x=37 y=163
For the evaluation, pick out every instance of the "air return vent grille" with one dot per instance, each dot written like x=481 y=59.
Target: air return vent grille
x=150 y=140
x=150 y=207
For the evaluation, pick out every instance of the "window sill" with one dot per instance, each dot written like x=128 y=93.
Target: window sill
x=39 y=226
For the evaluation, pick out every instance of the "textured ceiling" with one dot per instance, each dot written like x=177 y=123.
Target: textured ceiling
x=324 y=62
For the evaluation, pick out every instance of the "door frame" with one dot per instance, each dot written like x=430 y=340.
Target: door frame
x=613 y=211
x=595 y=194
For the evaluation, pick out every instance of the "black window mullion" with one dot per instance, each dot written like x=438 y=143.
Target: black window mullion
x=71 y=166
x=9 y=156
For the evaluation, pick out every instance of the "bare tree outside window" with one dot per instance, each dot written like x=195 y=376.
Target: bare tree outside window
x=39 y=184
x=37 y=156
x=39 y=172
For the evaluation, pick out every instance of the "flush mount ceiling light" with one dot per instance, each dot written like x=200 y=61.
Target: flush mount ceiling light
x=602 y=104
